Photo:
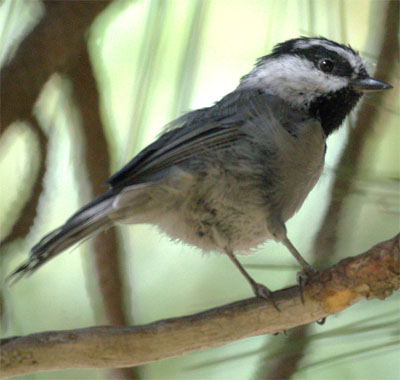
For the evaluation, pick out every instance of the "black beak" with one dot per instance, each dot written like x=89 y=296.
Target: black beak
x=369 y=84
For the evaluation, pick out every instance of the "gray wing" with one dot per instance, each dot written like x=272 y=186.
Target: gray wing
x=173 y=148
x=216 y=127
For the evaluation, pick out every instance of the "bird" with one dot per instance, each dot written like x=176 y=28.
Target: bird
x=227 y=177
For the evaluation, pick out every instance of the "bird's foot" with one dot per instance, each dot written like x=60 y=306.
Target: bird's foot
x=261 y=291
x=303 y=277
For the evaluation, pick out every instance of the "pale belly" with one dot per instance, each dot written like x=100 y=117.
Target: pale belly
x=225 y=226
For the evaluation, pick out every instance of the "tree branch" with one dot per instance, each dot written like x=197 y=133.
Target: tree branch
x=373 y=274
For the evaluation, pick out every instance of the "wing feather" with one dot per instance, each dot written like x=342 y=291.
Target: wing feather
x=168 y=151
x=216 y=127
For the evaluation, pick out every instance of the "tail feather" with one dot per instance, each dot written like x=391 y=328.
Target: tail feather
x=88 y=221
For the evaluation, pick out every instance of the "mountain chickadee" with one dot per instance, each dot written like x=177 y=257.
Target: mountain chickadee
x=227 y=177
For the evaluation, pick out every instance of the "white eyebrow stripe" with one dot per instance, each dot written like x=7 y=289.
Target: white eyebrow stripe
x=354 y=59
x=306 y=83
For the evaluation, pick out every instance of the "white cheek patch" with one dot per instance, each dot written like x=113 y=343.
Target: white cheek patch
x=292 y=78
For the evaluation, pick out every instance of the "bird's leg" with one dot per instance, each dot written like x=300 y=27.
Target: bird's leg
x=307 y=270
x=278 y=231
x=259 y=290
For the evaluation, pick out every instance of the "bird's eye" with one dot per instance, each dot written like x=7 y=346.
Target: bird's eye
x=326 y=65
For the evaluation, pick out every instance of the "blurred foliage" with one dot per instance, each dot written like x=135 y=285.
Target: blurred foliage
x=154 y=60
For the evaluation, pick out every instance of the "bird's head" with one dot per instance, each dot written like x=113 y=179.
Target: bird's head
x=322 y=77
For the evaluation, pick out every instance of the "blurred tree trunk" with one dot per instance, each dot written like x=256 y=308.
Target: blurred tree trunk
x=58 y=44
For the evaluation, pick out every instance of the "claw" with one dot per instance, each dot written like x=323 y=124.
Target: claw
x=303 y=277
x=261 y=291
x=284 y=332
x=308 y=271
x=321 y=321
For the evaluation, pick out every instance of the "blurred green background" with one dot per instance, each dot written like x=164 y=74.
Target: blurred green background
x=155 y=60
